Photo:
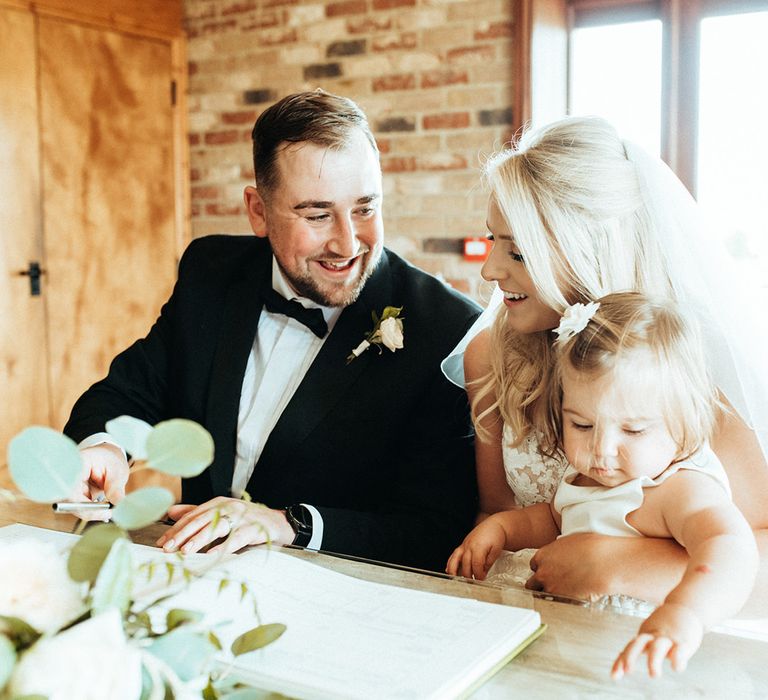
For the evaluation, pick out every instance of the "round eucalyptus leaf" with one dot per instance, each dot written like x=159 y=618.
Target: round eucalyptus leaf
x=188 y=653
x=113 y=583
x=257 y=638
x=131 y=434
x=180 y=447
x=44 y=464
x=91 y=550
x=7 y=660
x=142 y=507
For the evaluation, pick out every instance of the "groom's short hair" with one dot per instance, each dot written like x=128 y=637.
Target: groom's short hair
x=317 y=116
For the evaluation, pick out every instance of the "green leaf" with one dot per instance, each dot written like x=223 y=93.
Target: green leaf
x=44 y=464
x=131 y=434
x=177 y=617
x=142 y=507
x=113 y=584
x=257 y=638
x=213 y=639
x=91 y=550
x=7 y=659
x=179 y=447
x=391 y=312
x=209 y=692
x=187 y=653
x=222 y=585
x=17 y=630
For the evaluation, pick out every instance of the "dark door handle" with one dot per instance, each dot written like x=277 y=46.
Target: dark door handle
x=34 y=272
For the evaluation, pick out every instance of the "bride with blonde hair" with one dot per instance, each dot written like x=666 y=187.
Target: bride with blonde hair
x=576 y=213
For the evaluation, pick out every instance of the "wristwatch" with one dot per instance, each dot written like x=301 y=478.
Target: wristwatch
x=300 y=519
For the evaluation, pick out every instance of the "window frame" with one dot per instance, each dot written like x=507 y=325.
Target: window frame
x=680 y=62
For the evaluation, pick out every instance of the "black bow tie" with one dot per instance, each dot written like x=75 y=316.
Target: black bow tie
x=311 y=318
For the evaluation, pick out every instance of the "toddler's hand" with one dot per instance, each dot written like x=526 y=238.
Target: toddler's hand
x=672 y=631
x=478 y=551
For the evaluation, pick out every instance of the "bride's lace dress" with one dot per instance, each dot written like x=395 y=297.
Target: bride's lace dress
x=533 y=478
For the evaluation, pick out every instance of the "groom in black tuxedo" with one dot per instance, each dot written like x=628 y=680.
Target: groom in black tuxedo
x=370 y=456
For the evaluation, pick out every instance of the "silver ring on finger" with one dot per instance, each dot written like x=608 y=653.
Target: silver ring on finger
x=228 y=520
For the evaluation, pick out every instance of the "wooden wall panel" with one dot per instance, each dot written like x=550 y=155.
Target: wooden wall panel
x=23 y=374
x=108 y=184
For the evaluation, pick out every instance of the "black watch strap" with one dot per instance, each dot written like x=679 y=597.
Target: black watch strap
x=300 y=519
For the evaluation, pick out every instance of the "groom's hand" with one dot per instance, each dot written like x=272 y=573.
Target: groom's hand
x=241 y=523
x=104 y=476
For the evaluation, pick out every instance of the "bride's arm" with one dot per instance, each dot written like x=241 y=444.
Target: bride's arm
x=495 y=494
x=587 y=566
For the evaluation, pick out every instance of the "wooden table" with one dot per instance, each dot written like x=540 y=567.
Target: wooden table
x=571 y=660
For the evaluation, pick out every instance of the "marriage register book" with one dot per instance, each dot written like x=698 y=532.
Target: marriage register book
x=345 y=637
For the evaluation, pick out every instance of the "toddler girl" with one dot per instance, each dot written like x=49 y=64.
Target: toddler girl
x=631 y=406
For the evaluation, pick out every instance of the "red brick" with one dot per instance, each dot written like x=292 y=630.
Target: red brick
x=368 y=25
x=277 y=3
x=496 y=30
x=394 y=42
x=247 y=173
x=389 y=4
x=194 y=174
x=384 y=145
x=238 y=117
x=438 y=78
x=471 y=54
x=450 y=120
x=194 y=209
x=218 y=27
x=191 y=68
x=215 y=138
x=237 y=8
x=194 y=139
x=442 y=161
x=346 y=7
x=217 y=209
x=398 y=165
x=206 y=192
x=404 y=81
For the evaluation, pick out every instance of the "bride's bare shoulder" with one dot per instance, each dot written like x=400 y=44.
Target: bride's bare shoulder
x=477 y=360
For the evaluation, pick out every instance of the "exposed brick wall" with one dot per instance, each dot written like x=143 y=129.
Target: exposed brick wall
x=434 y=77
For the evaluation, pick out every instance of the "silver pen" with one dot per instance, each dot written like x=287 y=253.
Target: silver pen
x=73 y=507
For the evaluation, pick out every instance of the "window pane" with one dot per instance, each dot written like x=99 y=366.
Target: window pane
x=615 y=72
x=732 y=180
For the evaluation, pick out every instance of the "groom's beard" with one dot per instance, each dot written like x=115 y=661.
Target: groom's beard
x=341 y=294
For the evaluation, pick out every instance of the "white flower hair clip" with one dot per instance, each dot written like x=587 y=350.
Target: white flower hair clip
x=575 y=320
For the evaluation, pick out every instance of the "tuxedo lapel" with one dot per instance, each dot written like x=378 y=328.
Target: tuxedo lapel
x=240 y=318
x=329 y=378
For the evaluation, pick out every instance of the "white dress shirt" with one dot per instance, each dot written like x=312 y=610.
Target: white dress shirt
x=282 y=352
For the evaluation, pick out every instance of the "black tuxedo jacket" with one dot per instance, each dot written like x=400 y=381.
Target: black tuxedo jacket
x=381 y=446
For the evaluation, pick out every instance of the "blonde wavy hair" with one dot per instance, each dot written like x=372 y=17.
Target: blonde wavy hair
x=574 y=205
x=626 y=331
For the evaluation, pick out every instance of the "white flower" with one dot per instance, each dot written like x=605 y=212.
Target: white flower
x=575 y=320
x=392 y=333
x=387 y=331
x=36 y=587
x=90 y=661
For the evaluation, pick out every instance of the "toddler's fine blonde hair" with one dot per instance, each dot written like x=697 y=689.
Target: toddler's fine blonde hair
x=627 y=331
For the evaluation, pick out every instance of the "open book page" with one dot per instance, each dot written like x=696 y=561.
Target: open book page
x=348 y=638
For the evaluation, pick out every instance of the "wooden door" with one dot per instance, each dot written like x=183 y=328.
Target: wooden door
x=23 y=367
x=108 y=196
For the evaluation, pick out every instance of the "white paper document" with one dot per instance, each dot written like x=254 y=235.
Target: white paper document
x=345 y=637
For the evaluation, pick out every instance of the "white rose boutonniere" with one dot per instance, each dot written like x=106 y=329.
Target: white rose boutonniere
x=387 y=331
x=575 y=320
